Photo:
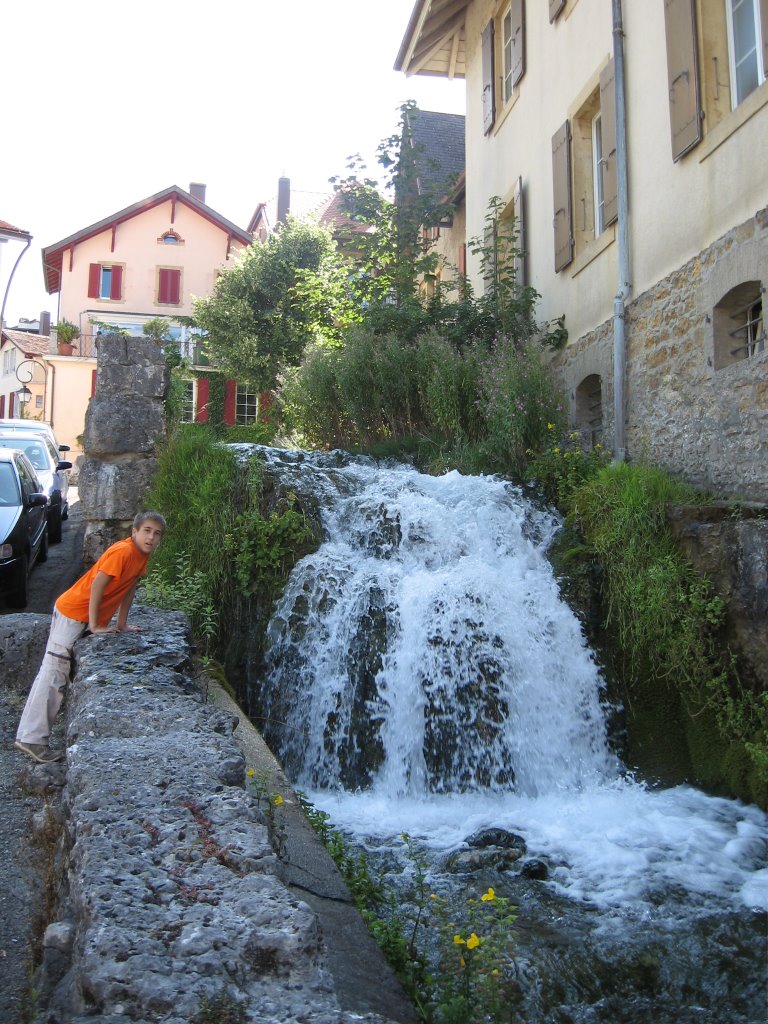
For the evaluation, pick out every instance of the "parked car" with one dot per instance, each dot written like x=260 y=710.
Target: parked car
x=52 y=471
x=13 y=426
x=23 y=525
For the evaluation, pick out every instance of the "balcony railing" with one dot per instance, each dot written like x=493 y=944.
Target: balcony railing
x=190 y=349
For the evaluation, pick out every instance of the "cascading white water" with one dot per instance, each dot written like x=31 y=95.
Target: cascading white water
x=482 y=676
x=424 y=675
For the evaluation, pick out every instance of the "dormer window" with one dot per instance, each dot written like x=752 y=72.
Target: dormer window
x=171 y=238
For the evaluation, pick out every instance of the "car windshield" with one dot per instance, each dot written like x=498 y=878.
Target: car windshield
x=33 y=448
x=9 y=489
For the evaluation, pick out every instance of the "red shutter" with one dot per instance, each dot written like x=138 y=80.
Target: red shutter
x=175 y=286
x=2 y=406
x=116 y=291
x=169 y=286
x=93 y=383
x=489 y=99
x=94 y=280
x=11 y=397
x=203 y=394
x=162 y=286
x=463 y=260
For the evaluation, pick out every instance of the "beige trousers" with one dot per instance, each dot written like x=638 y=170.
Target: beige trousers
x=47 y=691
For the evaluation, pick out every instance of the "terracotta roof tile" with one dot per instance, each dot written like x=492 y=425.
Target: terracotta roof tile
x=30 y=344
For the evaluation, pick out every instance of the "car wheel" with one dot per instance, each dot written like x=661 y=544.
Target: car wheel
x=54 y=525
x=42 y=553
x=19 y=596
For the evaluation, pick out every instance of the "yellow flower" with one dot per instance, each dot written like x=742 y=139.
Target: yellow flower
x=487 y=897
x=457 y=940
x=250 y=773
x=472 y=941
x=556 y=449
x=432 y=896
x=550 y=426
x=462 y=962
x=278 y=800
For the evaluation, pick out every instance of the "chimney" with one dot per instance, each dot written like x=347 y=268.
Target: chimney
x=197 y=190
x=45 y=324
x=283 y=199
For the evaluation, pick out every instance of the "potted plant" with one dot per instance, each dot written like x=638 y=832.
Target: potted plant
x=66 y=334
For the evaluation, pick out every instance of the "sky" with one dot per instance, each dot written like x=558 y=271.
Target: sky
x=104 y=105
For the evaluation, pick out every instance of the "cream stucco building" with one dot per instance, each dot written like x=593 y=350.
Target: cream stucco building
x=146 y=261
x=630 y=142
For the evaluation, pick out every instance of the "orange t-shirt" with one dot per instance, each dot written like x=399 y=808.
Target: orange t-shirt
x=124 y=563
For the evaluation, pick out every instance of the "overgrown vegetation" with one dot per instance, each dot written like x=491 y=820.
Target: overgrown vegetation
x=219 y=546
x=455 y=958
x=665 y=622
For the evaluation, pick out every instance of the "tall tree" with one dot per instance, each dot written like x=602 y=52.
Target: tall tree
x=279 y=296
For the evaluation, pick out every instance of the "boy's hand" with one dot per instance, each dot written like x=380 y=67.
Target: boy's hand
x=101 y=629
x=128 y=629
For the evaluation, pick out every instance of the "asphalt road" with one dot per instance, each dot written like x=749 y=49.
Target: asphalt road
x=20 y=872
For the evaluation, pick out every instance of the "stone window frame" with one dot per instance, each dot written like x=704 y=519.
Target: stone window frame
x=738 y=324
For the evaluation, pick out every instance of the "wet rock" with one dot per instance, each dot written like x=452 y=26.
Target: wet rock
x=536 y=869
x=463 y=862
x=496 y=837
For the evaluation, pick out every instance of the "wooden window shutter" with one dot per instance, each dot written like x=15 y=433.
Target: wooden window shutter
x=116 y=288
x=555 y=7
x=93 y=382
x=517 y=15
x=520 y=241
x=608 y=128
x=162 y=286
x=175 y=285
x=683 y=75
x=462 y=268
x=94 y=280
x=561 y=182
x=764 y=30
x=489 y=99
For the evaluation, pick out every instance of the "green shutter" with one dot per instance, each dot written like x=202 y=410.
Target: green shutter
x=520 y=241
x=555 y=7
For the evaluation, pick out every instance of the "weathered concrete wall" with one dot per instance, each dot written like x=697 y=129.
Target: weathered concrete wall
x=708 y=426
x=123 y=423
x=175 y=894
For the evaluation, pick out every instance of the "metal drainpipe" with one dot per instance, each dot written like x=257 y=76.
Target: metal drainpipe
x=622 y=231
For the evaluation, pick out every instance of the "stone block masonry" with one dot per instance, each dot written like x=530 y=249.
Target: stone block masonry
x=124 y=421
x=175 y=903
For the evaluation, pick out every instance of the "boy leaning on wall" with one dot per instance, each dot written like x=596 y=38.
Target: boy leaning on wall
x=109 y=586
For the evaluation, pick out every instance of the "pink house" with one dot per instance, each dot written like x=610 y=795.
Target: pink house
x=148 y=260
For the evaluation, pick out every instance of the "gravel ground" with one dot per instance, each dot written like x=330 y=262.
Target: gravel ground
x=20 y=871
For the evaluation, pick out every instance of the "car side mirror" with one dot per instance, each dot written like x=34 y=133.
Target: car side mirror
x=64 y=448
x=63 y=465
x=36 y=499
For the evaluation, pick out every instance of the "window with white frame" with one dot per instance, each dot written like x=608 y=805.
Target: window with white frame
x=9 y=361
x=506 y=53
x=246 y=404
x=744 y=48
x=597 y=175
x=188 y=400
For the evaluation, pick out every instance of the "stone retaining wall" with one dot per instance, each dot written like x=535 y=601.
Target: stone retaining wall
x=175 y=897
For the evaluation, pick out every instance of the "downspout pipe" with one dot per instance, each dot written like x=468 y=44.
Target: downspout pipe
x=622 y=233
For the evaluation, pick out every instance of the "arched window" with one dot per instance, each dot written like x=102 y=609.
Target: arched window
x=739 y=328
x=588 y=409
x=171 y=237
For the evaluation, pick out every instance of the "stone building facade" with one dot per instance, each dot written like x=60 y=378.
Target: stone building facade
x=693 y=407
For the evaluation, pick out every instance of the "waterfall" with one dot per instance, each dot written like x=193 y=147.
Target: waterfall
x=424 y=648
x=424 y=676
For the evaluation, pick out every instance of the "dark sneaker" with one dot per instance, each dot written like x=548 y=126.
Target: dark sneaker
x=40 y=752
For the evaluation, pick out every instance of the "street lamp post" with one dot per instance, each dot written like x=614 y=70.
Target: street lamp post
x=25 y=373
